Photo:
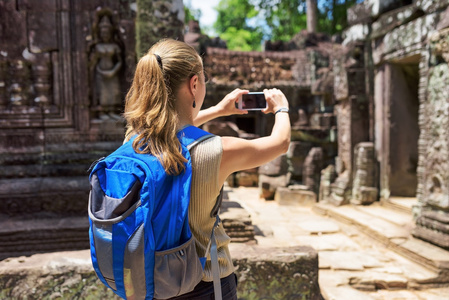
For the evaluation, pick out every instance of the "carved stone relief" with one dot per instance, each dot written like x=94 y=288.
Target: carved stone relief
x=106 y=65
x=48 y=137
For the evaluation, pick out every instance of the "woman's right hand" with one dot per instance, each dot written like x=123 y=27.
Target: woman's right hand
x=275 y=100
x=226 y=107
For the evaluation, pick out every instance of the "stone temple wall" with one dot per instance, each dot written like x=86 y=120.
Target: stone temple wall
x=406 y=66
x=432 y=214
x=65 y=66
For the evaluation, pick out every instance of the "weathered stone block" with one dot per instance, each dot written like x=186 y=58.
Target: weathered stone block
x=297 y=153
x=63 y=275
x=269 y=184
x=278 y=166
x=389 y=21
x=405 y=36
x=366 y=196
x=295 y=196
x=246 y=179
x=287 y=273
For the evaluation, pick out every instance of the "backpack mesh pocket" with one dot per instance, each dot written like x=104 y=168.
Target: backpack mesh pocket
x=106 y=214
x=176 y=271
x=134 y=266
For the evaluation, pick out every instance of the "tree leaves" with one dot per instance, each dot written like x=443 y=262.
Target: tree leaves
x=244 y=24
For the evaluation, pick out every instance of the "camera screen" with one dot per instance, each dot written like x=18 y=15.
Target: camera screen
x=254 y=101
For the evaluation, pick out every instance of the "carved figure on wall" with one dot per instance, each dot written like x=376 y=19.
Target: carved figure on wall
x=106 y=63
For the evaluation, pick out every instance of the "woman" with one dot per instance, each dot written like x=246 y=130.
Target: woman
x=167 y=93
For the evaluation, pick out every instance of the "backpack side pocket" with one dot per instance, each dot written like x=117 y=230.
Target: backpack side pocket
x=118 y=216
x=177 y=271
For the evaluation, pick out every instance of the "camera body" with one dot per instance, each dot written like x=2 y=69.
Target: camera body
x=252 y=101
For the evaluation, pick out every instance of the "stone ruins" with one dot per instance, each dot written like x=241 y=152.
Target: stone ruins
x=369 y=114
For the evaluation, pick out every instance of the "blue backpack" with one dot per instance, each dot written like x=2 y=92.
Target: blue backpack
x=140 y=240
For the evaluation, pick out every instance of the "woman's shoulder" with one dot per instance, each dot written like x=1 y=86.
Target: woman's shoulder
x=213 y=143
x=208 y=149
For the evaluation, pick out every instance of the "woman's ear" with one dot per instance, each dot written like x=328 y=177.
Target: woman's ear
x=193 y=84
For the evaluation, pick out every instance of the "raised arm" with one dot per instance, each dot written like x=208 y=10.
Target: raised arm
x=240 y=154
x=225 y=107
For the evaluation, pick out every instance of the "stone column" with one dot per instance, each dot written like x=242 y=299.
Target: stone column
x=364 y=190
x=157 y=19
x=352 y=118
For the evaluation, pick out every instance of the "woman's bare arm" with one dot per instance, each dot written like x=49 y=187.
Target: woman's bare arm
x=240 y=154
x=225 y=107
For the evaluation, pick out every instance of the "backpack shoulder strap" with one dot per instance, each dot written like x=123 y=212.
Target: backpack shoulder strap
x=191 y=136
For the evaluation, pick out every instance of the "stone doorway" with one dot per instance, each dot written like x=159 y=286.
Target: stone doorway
x=399 y=132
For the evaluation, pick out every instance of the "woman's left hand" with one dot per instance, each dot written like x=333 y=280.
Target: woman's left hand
x=227 y=107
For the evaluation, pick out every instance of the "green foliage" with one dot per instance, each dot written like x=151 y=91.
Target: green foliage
x=234 y=13
x=332 y=18
x=232 y=25
x=191 y=13
x=274 y=20
x=242 y=39
x=284 y=18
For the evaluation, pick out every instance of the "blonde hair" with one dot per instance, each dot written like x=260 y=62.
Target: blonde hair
x=150 y=103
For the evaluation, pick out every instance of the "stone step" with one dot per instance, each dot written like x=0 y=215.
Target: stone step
x=379 y=223
x=403 y=204
x=397 y=217
x=29 y=236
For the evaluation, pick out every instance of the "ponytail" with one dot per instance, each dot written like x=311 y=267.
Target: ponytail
x=150 y=103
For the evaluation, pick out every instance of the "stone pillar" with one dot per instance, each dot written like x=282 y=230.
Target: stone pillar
x=312 y=169
x=273 y=175
x=432 y=212
x=364 y=190
x=352 y=118
x=157 y=19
